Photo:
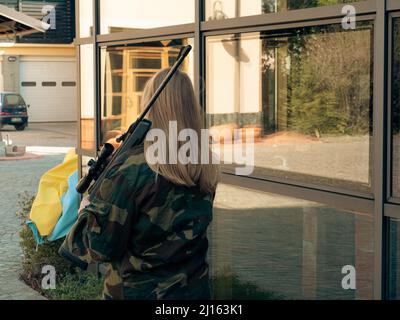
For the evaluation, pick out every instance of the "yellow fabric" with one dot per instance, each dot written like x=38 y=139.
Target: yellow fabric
x=47 y=209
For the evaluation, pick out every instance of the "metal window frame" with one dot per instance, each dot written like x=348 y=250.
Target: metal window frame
x=282 y=26
x=289 y=16
x=379 y=171
x=392 y=211
x=377 y=203
x=393 y=5
x=144 y=40
x=339 y=201
x=78 y=42
x=146 y=33
x=198 y=51
x=390 y=197
x=392 y=204
x=78 y=38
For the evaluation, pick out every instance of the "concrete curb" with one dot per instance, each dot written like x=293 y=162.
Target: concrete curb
x=27 y=156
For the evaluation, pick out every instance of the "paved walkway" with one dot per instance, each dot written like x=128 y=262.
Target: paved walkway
x=44 y=134
x=17 y=177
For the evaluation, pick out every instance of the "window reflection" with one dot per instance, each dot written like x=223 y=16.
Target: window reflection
x=396 y=107
x=125 y=72
x=275 y=247
x=307 y=95
x=394 y=259
x=130 y=15
x=224 y=9
x=85 y=18
x=87 y=97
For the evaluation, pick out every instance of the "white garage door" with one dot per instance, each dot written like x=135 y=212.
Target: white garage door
x=48 y=85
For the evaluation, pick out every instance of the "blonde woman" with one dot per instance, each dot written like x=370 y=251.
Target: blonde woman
x=149 y=222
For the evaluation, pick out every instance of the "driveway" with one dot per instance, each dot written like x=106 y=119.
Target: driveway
x=18 y=177
x=44 y=134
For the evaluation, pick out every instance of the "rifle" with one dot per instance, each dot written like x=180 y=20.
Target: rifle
x=133 y=137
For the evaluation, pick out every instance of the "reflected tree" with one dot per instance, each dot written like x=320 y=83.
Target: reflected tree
x=330 y=82
x=227 y=285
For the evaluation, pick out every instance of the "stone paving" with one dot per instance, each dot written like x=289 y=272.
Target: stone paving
x=17 y=177
x=44 y=134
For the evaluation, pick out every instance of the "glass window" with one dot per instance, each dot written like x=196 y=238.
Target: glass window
x=396 y=106
x=125 y=72
x=306 y=94
x=13 y=100
x=85 y=18
x=394 y=260
x=87 y=97
x=128 y=15
x=225 y=9
x=275 y=247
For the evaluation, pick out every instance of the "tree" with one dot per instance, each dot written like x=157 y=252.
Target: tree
x=330 y=82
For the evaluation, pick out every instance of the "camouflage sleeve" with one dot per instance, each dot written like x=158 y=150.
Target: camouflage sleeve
x=103 y=227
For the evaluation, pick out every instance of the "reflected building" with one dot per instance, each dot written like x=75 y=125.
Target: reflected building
x=324 y=191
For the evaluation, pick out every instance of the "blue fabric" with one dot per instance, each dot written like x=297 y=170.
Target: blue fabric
x=39 y=239
x=70 y=207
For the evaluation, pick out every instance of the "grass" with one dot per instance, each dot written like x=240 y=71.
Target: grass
x=71 y=283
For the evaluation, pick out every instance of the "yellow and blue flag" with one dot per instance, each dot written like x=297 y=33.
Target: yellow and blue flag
x=55 y=208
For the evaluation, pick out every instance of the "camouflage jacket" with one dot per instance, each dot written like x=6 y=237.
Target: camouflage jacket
x=151 y=232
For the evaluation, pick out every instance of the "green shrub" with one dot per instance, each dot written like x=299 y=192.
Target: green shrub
x=228 y=286
x=71 y=283
x=77 y=286
x=34 y=257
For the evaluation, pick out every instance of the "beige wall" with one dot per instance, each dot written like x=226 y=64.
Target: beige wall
x=234 y=74
x=229 y=9
x=40 y=50
x=145 y=14
x=9 y=73
x=9 y=70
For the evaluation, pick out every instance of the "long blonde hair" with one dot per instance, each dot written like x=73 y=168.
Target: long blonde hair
x=178 y=102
